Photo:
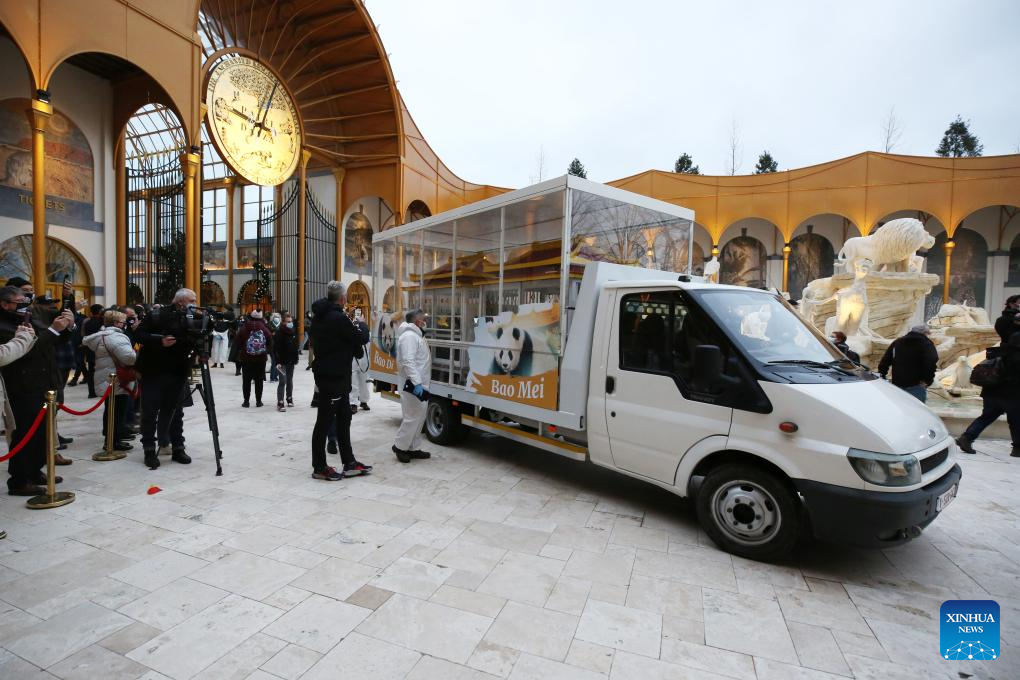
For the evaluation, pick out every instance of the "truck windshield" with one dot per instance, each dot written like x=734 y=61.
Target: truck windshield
x=766 y=328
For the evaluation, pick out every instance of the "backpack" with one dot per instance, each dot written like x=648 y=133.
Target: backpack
x=989 y=373
x=255 y=345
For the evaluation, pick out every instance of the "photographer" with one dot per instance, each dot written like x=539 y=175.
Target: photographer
x=336 y=343
x=1009 y=322
x=164 y=362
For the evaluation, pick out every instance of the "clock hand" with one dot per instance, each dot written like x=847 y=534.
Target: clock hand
x=269 y=104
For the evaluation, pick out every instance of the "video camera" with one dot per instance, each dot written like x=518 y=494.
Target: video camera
x=197 y=325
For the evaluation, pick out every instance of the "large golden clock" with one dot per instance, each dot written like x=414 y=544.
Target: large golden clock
x=253 y=121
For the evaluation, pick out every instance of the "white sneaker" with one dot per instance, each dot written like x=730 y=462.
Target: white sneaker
x=164 y=451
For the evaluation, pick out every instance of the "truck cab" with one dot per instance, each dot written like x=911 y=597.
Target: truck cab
x=725 y=395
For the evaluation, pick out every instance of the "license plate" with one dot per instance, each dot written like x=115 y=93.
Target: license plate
x=945 y=499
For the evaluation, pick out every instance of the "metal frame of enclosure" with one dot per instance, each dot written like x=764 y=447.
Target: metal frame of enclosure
x=524 y=247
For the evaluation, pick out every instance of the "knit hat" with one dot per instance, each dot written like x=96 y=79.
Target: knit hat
x=257 y=314
x=920 y=328
x=16 y=281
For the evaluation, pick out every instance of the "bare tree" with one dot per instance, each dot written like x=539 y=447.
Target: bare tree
x=891 y=131
x=736 y=149
x=539 y=166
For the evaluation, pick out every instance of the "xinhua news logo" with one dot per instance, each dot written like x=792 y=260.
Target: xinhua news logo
x=969 y=630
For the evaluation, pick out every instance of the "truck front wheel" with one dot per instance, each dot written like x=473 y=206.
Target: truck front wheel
x=748 y=512
x=442 y=422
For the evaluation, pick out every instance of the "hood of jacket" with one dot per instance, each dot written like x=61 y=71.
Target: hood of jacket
x=408 y=327
x=321 y=307
x=96 y=339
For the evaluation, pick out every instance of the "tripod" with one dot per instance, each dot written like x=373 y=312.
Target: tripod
x=204 y=389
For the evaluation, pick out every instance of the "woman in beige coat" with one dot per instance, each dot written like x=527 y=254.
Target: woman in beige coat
x=10 y=352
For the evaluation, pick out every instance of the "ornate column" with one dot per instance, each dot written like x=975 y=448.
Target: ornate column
x=338 y=175
x=302 y=197
x=786 y=267
x=230 y=184
x=120 y=193
x=38 y=116
x=189 y=163
x=950 y=244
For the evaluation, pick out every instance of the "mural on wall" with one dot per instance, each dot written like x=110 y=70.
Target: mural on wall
x=212 y=295
x=743 y=262
x=968 y=273
x=61 y=261
x=358 y=244
x=69 y=167
x=811 y=257
x=1014 y=263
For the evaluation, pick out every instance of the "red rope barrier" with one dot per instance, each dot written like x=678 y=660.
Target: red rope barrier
x=90 y=410
x=28 y=435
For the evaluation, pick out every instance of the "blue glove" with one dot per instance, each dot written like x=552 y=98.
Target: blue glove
x=418 y=391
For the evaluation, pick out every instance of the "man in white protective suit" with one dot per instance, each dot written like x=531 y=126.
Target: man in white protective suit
x=359 y=367
x=414 y=364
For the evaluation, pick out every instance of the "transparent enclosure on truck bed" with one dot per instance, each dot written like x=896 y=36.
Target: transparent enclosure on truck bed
x=492 y=277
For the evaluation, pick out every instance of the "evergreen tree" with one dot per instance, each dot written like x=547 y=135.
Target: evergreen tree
x=766 y=163
x=576 y=168
x=685 y=165
x=958 y=141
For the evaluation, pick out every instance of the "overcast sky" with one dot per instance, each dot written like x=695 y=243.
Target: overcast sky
x=629 y=85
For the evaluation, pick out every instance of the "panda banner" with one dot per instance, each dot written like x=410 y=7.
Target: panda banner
x=515 y=356
x=384 y=344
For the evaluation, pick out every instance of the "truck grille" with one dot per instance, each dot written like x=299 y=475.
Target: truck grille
x=931 y=462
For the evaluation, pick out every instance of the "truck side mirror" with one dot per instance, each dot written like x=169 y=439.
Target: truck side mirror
x=707 y=369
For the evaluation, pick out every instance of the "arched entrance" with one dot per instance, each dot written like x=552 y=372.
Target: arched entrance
x=416 y=210
x=249 y=299
x=61 y=261
x=812 y=256
x=743 y=262
x=967 y=274
x=359 y=297
x=212 y=295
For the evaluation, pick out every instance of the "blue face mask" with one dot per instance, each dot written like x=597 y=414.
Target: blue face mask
x=289 y=324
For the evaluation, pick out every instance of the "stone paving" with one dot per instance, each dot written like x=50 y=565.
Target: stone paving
x=490 y=560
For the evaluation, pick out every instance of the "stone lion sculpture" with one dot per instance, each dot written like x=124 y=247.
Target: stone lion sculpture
x=891 y=248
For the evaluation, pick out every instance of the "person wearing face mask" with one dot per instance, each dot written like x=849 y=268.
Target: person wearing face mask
x=838 y=339
x=414 y=365
x=359 y=367
x=113 y=350
x=26 y=382
x=275 y=320
x=285 y=357
x=220 y=343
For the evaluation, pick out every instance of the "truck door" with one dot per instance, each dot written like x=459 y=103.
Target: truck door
x=652 y=418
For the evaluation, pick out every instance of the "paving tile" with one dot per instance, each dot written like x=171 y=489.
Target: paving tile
x=14 y=620
x=534 y=630
x=287 y=597
x=726 y=626
x=412 y=577
x=129 y=637
x=493 y=659
x=427 y=627
x=469 y=601
x=429 y=668
x=244 y=659
x=523 y=578
x=612 y=567
x=48 y=642
x=590 y=656
x=359 y=656
x=467 y=556
x=623 y=628
x=335 y=578
x=666 y=597
x=507 y=537
x=639 y=537
x=12 y=666
x=369 y=597
x=859 y=644
x=173 y=603
x=318 y=623
x=627 y=666
x=299 y=557
x=828 y=611
x=580 y=538
x=817 y=648
x=249 y=575
x=767 y=669
x=94 y=662
x=530 y=667
x=712 y=659
x=569 y=595
x=291 y=662
x=189 y=647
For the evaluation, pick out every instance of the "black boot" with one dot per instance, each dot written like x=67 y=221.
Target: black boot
x=180 y=456
x=151 y=459
x=1015 y=453
x=966 y=444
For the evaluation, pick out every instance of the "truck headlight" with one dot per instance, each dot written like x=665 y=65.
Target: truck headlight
x=885 y=469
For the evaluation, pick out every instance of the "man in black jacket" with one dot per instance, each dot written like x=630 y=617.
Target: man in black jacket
x=912 y=358
x=165 y=362
x=999 y=399
x=26 y=381
x=1008 y=322
x=336 y=344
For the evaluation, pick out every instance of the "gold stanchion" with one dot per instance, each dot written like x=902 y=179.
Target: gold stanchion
x=108 y=453
x=52 y=498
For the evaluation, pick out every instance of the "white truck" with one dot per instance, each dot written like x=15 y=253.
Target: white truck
x=564 y=316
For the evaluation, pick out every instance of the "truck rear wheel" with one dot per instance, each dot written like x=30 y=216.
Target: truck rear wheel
x=442 y=422
x=748 y=512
